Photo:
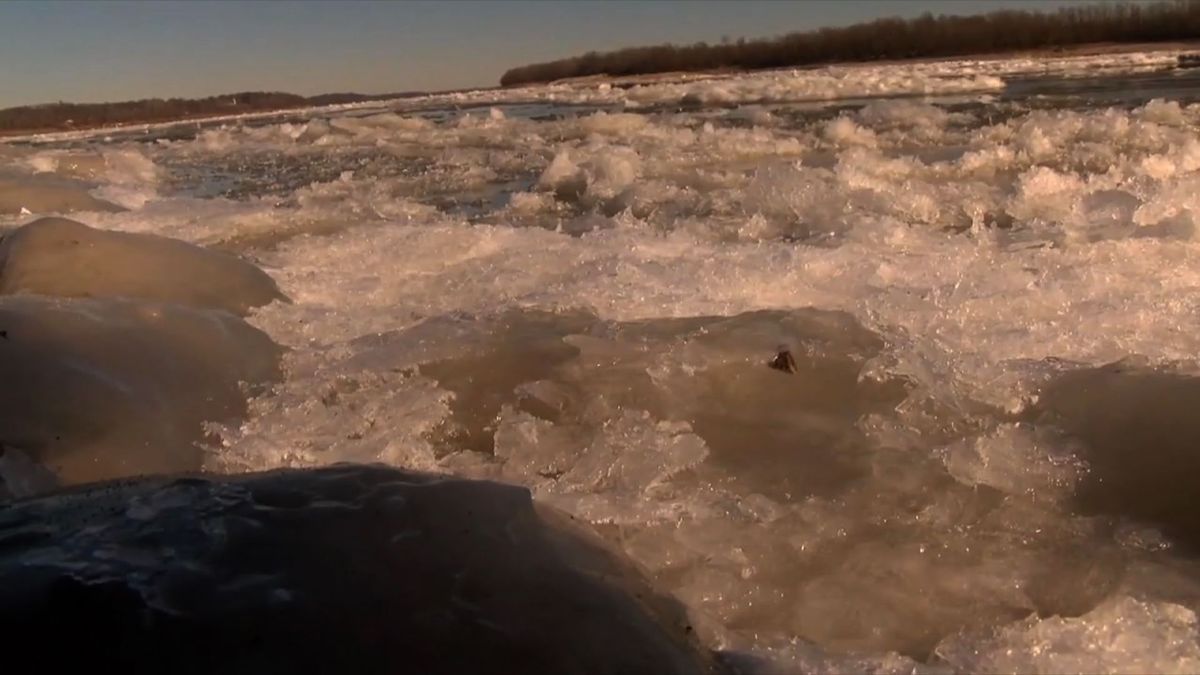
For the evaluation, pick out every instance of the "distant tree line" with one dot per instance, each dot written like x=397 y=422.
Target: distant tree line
x=66 y=116
x=58 y=116
x=892 y=38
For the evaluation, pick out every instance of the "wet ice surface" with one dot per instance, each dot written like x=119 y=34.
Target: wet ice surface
x=987 y=281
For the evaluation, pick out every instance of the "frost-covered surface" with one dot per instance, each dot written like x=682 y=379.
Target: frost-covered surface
x=983 y=460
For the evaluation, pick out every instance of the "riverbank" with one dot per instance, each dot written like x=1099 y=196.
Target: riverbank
x=71 y=117
x=924 y=36
x=1074 y=51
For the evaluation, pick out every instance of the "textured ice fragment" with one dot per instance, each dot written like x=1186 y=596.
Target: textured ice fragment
x=1123 y=635
x=1164 y=112
x=1017 y=459
x=842 y=131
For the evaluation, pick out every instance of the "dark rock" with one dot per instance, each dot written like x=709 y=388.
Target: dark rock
x=344 y=569
x=783 y=361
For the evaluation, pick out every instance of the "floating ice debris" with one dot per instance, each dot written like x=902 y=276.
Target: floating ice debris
x=580 y=298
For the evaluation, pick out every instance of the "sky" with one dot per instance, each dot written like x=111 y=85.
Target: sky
x=108 y=51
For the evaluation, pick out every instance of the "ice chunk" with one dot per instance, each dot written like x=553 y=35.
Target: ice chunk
x=616 y=124
x=599 y=178
x=1164 y=112
x=1017 y=459
x=56 y=256
x=844 y=132
x=1139 y=434
x=103 y=388
x=37 y=195
x=562 y=173
x=124 y=165
x=22 y=476
x=902 y=113
x=1124 y=635
x=611 y=172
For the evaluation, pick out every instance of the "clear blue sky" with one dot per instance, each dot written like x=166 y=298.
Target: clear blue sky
x=106 y=51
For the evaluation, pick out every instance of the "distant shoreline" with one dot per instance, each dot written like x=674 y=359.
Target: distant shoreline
x=1094 y=49
x=59 y=118
x=21 y=133
x=147 y=124
x=890 y=39
x=1071 y=51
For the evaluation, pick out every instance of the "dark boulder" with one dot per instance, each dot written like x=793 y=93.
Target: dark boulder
x=344 y=569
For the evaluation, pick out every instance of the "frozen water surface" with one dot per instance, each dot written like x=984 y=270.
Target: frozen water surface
x=985 y=272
